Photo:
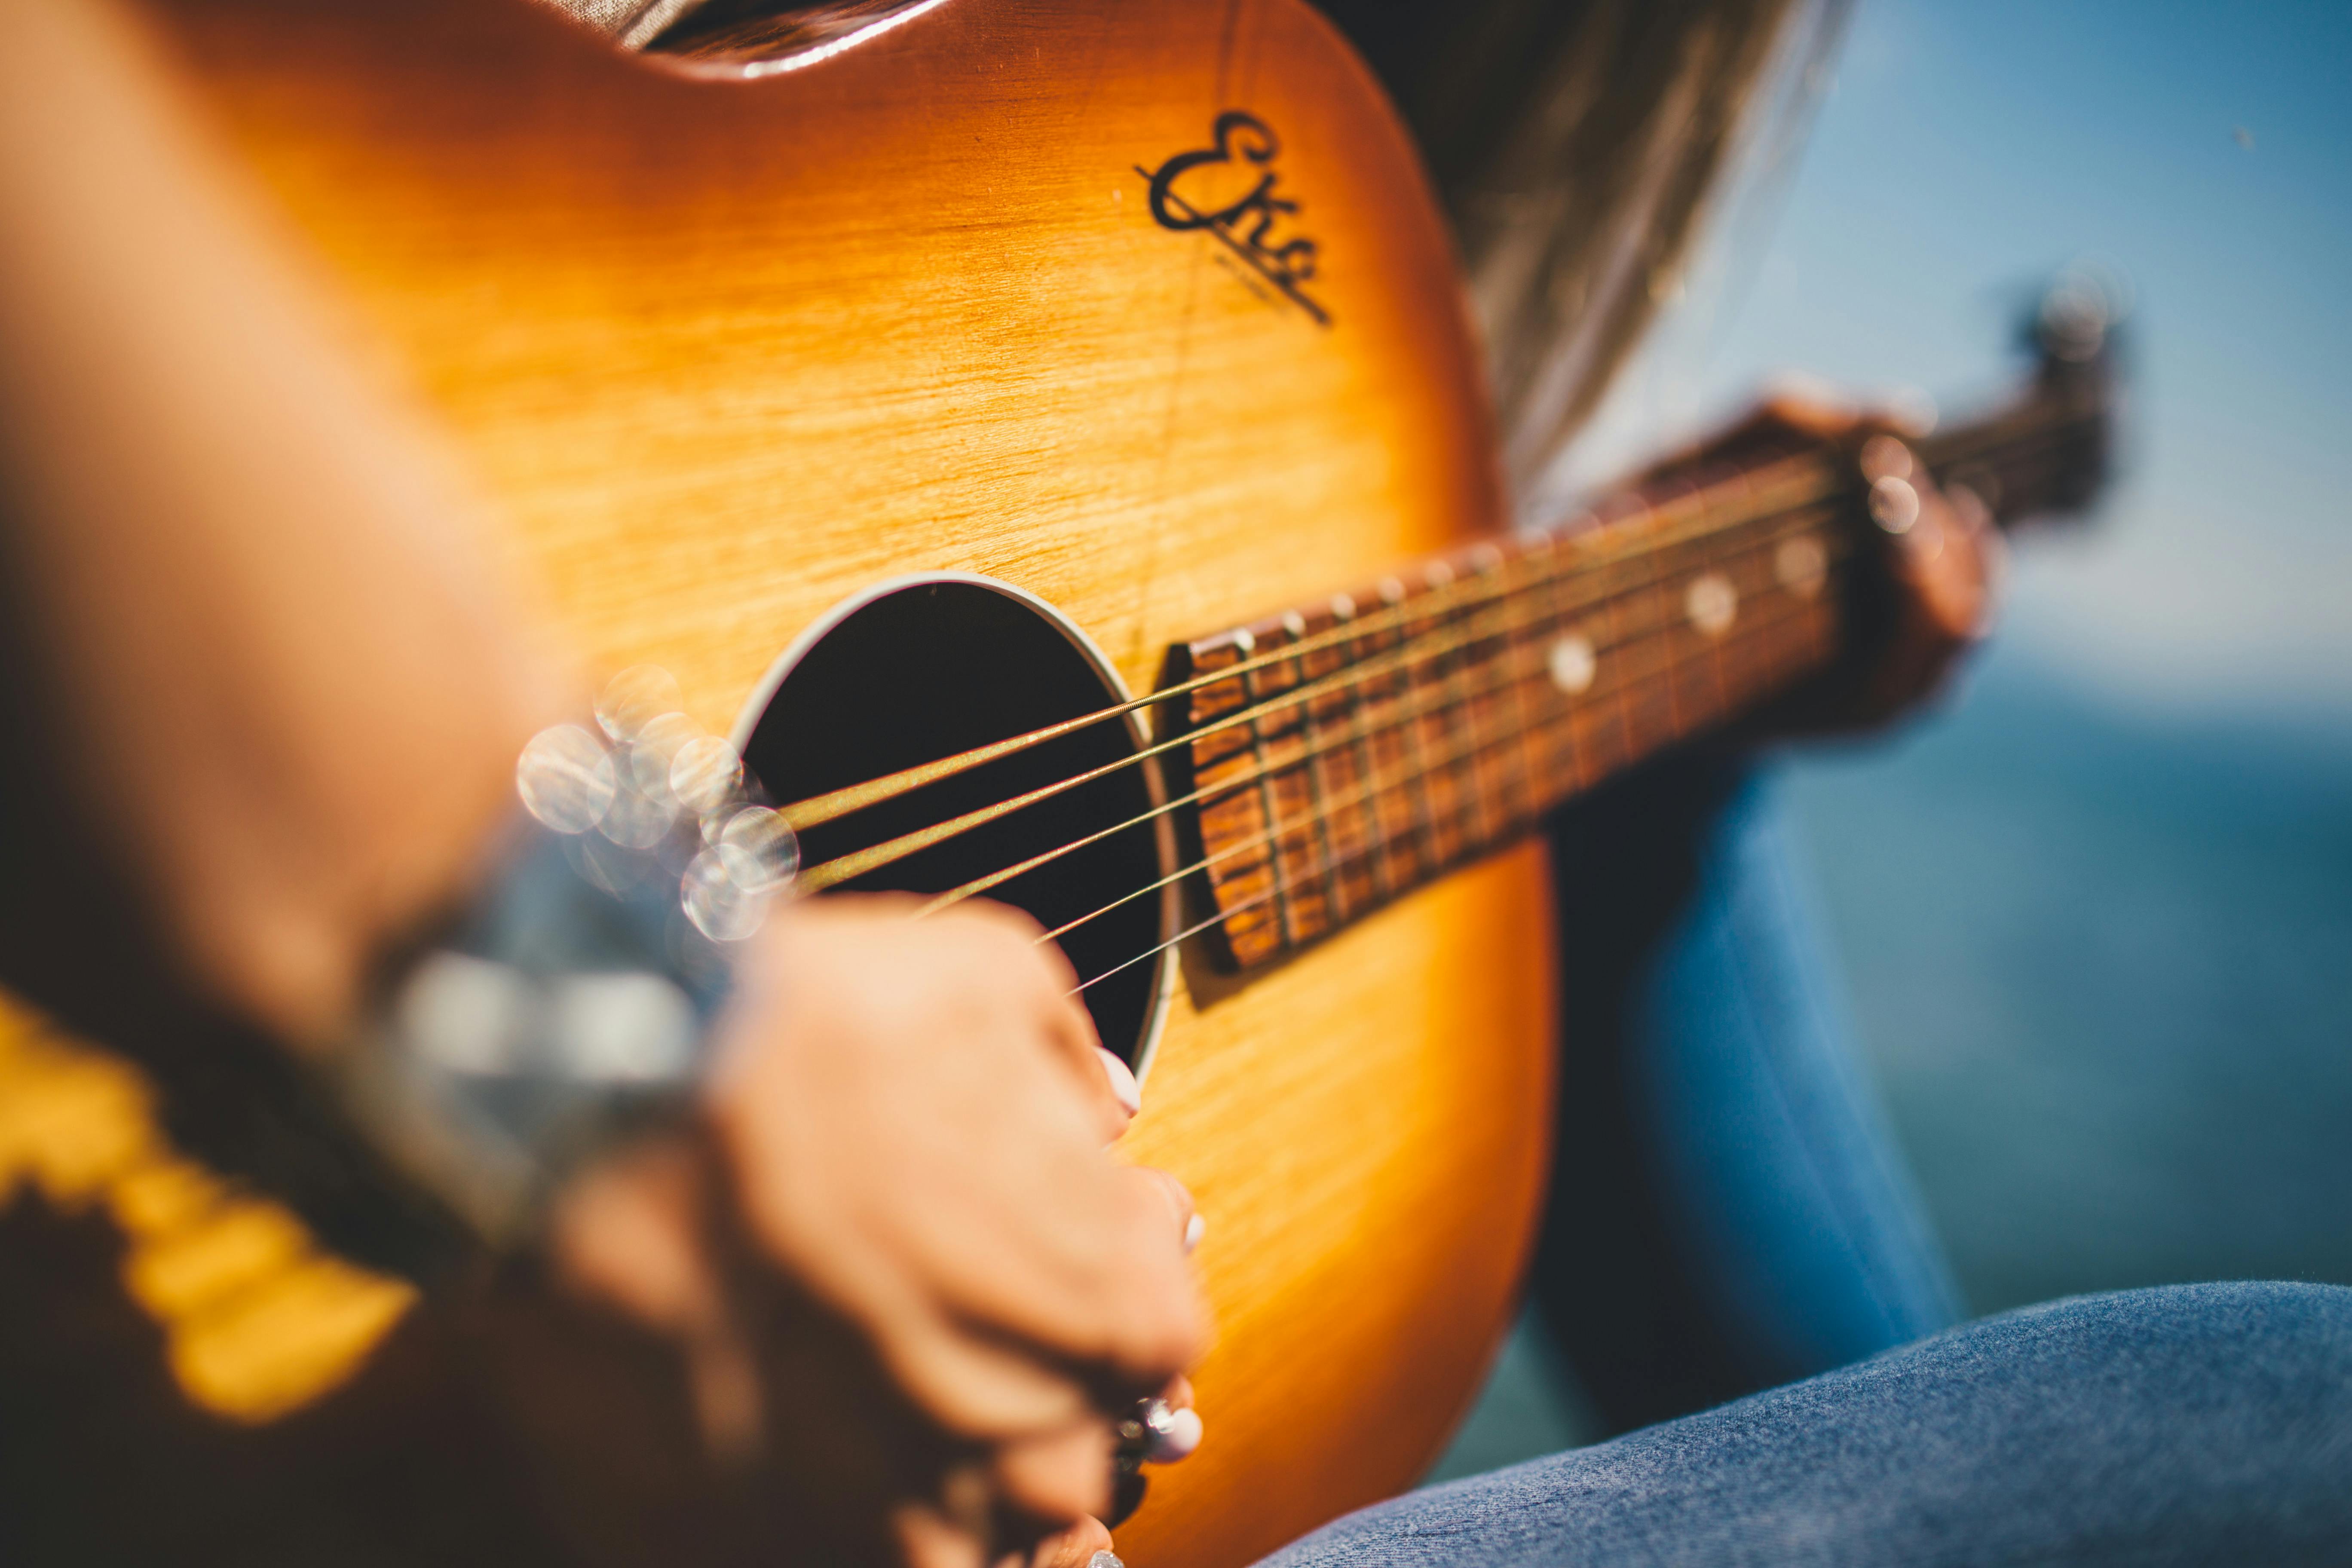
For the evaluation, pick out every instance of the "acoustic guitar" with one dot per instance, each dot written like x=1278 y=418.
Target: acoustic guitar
x=1047 y=433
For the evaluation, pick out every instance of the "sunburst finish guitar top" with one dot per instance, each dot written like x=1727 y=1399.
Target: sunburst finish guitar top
x=729 y=351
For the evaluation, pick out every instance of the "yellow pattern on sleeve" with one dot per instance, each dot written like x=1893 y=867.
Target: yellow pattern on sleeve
x=259 y=1318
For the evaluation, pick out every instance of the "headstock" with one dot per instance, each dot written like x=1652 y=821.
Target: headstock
x=2049 y=450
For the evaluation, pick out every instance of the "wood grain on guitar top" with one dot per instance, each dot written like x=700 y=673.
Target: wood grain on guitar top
x=726 y=353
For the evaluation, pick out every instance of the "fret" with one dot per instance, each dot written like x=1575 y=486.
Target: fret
x=1595 y=736
x=1543 y=779
x=1402 y=692
x=1497 y=707
x=1634 y=616
x=1318 y=793
x=1285 y=900
x=1232 y=823
x=1423 y=733
x=1378 y=858
x=1788 y=565
x=1750 y=659
x=1706 y=603
x=1707 y=595
x=1456 y=721
x=1384 y=762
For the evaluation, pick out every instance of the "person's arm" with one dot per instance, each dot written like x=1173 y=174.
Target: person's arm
x=280 y=686
x=265 y=701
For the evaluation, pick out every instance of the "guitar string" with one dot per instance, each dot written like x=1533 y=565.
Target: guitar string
x=1361 y=729
x=1320 y=747
x=1424 y=767
x=1587 y=528
x=1971 y=443
x=874 y=857
x=1470 y=845
x=857 y=863
x=1372 y=844
x=1368 y=794
x=1531 y=560
x=1400 y=658
x=1677 y=522
x=1274 y=884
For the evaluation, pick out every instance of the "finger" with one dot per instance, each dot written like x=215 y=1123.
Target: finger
x=1810 y=408
x=1076 y=1547
x=974 y=1380
x=1123 y=1087
x=1937 y=566
x=1913 y=668
x=1161 y=1325
x=1089 y=1277
x=1181 y=1208
x=1018 y=1323
x=1057 y=1477
x=1992 y=556
x=1112 y=1094
x=1948 y=577
x=1043 y=972
x=927 y=1540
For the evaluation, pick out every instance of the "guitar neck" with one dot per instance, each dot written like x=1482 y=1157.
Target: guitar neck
x=1344 y=753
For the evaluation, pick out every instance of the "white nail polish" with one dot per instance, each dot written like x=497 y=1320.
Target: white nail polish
x=1194 y=1229
x=1122 y=1081
x=1105 y=1560
x=1174 y=1434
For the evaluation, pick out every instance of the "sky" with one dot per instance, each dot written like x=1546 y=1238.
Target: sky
x=1962 y=153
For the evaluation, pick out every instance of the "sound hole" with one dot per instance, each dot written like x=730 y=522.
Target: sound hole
x=939 y=667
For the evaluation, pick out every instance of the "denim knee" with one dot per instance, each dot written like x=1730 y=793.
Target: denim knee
x=2189 y=1425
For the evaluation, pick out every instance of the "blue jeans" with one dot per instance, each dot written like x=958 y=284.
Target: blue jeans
x=1730 y=1210
x=2191 y=1425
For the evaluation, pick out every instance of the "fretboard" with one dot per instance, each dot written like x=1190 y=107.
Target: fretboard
x=1361 y=746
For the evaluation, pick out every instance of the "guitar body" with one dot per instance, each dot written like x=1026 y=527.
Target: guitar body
x=728 y=351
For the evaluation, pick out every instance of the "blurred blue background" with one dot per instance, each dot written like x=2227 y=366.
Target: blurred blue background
x=2096 y=916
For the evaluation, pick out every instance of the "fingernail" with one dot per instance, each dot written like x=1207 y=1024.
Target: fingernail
x=1105 y=1560
x=1128 y=1092
x=1174 y=1434
x=1194 y=1229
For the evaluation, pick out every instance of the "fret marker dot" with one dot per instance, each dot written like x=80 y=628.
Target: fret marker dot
x=1391 y=591
x=1572 y=664
x=1245 y=642
x=1439 y=574
x=1487 y=559
x=1343 y=607
x=1801 y=564
x=1712 y=603
x=1294 y=623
